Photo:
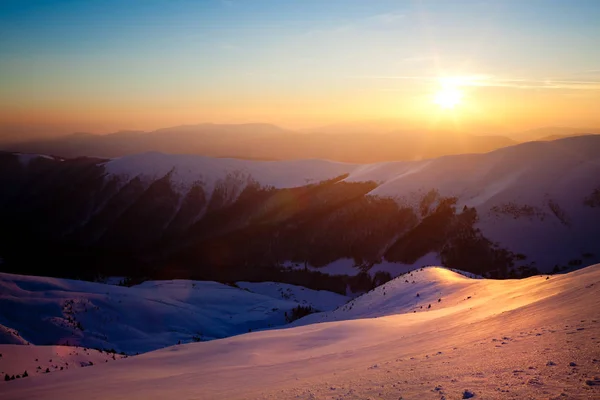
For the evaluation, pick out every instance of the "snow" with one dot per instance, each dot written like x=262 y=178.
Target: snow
x=186 y=170
x=25 y=159
x=343 y=266
x=317 y=299
x=412 y=291
x=114 y=280
x=532 y=338
x=36 y=360
x=536 y=174
x=540 y=175
x=527 y=172
x=396 y=269
x=11 y=336
x=347 y=266
x=146 y=317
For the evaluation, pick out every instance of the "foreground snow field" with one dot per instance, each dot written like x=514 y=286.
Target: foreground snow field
x=37 y=360
x=532 y=338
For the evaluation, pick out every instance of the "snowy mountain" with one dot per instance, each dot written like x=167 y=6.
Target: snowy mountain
x=507 y=213
x=490 y=339
x=152 y=315
x=535 y=199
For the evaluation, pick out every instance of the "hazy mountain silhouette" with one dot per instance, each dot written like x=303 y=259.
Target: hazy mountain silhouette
x=267 y=142
x=552 y=133
x=558 y=137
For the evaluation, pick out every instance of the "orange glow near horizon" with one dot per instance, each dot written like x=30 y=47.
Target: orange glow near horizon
x=480 y=109
x=300 y=65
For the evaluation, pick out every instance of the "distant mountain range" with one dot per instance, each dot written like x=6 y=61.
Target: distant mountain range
x=509 y=212
x=355 y=143
x=266 y=142
x=552 y=133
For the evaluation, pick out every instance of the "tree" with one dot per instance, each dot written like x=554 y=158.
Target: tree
x=6 y=377
x=299 y=312
x=380 y=278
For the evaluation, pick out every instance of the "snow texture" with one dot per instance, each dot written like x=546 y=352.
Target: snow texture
x=494 y=339
x=146 y=317
x=187 y=170
x=548 y=179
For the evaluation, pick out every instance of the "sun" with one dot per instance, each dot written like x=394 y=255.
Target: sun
x=448 y=97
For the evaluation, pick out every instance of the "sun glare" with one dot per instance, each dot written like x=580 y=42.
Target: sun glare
x=448 y=97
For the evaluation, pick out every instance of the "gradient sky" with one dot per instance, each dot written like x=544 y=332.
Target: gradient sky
x=119 y=64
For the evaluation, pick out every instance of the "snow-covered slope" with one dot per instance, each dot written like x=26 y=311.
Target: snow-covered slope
x=149 y=316
x=187 y=170
x=533 y=338
x=11 y=336
x=17 y=360
x=421 y=290
x=317 y=299
x=530 y=198
x=533 y=190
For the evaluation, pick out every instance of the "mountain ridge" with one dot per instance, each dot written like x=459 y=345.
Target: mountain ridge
x=265 y=141
x=213 y=218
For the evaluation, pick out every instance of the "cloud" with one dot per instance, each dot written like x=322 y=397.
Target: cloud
x=539 y=84
x=491 y=81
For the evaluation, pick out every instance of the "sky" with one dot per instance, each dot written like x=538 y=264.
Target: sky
x=101 y=66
